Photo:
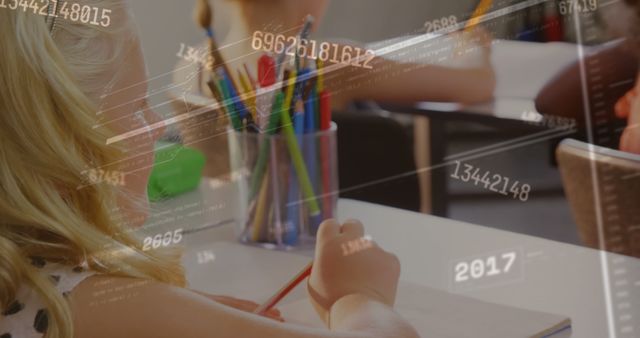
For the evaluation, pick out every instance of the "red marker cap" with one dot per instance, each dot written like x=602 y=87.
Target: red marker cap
x=266 y=71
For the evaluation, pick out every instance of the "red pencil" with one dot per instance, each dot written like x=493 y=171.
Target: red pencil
x=284 y=291
x=325 y=152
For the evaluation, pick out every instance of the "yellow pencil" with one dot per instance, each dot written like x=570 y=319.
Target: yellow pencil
x=320 y=66
x=482 y=9
x=246 y=87
x=259 y=218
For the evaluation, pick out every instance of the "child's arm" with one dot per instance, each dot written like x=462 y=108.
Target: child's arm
x=429 y=72
x=427 y=83
x=159 y=311
x=562 y=95
x=353 y=293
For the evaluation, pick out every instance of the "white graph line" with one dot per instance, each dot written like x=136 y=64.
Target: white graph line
x=436 y=166
x=594 y=179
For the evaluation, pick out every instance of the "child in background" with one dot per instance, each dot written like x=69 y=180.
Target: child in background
x=468 y=81
x=562 y=96
x=628 y=107
x=455 y=67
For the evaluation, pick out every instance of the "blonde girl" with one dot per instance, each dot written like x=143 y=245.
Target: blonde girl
x=66 y=237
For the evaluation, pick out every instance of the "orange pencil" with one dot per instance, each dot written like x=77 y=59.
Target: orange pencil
x=284 y=291
x=481 y=10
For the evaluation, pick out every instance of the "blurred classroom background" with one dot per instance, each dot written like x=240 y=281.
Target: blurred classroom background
x=546 y=214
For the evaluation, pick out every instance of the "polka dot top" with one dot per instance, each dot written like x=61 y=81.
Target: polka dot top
x=27 y=316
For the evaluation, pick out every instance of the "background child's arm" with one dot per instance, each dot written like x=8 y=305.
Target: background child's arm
x=424 y=73
x=427 y=83
x=562 y=95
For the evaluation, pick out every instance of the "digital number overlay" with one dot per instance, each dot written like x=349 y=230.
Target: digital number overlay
x=113 y=177
x=486 y=270
x=69 y=11
x=568 y=7
x=438 y=24
x=496 y=183
x=548 y=121
x=162 y=240
x=200 y=56
x=311 y=49
x=356 y=245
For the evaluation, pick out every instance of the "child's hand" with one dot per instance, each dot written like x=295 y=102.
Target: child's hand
x=347 y=264
x=623 y=106
x=628 y=107
x=630 y=141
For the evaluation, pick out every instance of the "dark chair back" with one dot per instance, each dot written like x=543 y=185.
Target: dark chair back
x=617 y=175
x=376 y=160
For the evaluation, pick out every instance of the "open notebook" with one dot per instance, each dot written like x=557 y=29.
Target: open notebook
x=438 y=314
x=434 y=313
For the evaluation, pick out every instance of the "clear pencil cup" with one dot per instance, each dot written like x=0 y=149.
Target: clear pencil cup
x=287 y=184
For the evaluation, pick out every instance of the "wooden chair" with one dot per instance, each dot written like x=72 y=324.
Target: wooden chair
x=615 y=200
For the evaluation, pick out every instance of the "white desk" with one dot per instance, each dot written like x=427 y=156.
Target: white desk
x=549 y=276
x=556 y=278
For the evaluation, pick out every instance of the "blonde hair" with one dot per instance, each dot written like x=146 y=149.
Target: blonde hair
x=48 y=106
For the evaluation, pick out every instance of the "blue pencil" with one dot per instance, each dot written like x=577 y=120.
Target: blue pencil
x=236 y=122
x=238 y=104
x=310 y=151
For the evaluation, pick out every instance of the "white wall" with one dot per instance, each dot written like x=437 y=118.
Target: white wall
x=371 y=20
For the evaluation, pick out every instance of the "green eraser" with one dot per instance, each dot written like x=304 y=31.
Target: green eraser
x=176 y=170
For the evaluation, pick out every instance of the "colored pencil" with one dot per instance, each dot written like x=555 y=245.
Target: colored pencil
x=252 y=80
x=320 y=71
x=301 y=170
x=238 y=104
x=481 y=10
x=248 y=91
x=275 y=188
x=265 y=94
x=290 y=89
x=261 y=210
x=310 y=150
x=233 y=115
x=293 y=208
x=263 y=153
x=217 y=94
x=285 y=290
x=325 y=153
